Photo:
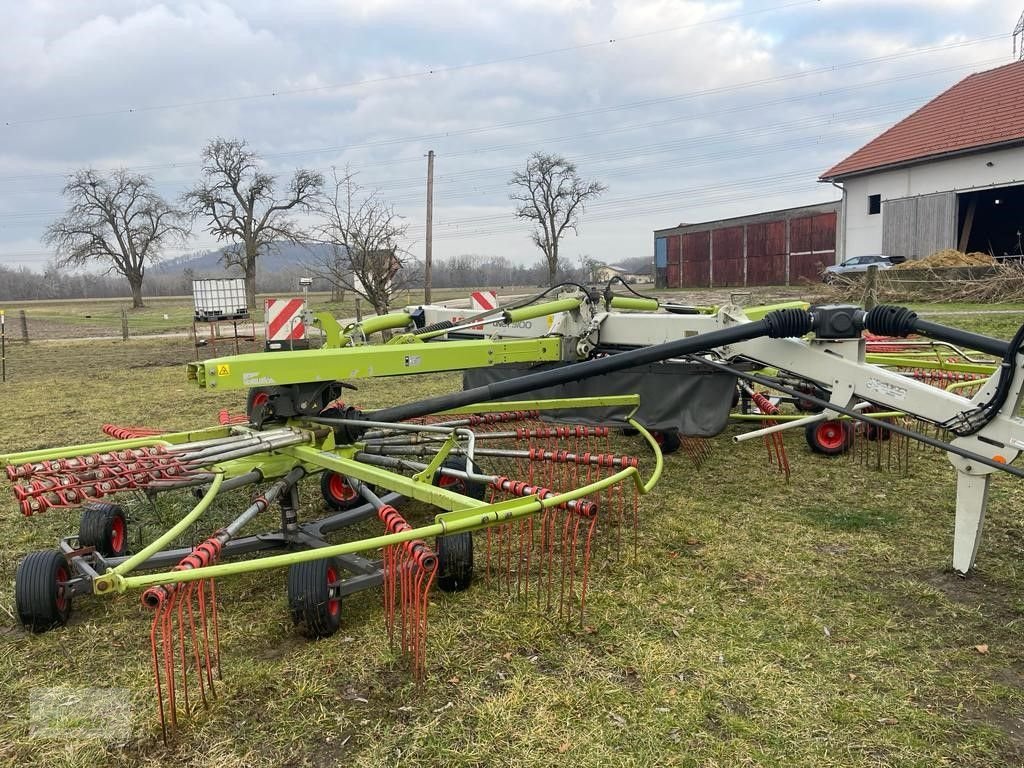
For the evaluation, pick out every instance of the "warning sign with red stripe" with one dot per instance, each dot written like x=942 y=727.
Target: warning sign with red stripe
x=481 y=300
x=283 y=318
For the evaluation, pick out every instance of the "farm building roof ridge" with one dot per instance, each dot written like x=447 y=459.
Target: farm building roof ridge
x=981 y=111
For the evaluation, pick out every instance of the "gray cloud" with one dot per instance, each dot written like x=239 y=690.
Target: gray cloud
x=67 y=60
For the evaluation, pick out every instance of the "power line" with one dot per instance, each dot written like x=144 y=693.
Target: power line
x=706 y=201
x=410 y=75
x=621 y=207
x=675 y=98
x=764 y=128
x=626 y=153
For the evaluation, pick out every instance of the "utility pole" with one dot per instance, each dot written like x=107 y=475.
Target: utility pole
x=430 y=227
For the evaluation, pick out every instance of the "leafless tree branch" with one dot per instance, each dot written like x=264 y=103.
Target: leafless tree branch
x=240 y=205
x=367 y=253
x=116 y=219
x=550 y=194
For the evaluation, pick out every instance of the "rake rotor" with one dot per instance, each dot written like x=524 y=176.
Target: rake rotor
x=542 y=491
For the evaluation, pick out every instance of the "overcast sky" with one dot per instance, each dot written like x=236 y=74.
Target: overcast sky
x=688 y=111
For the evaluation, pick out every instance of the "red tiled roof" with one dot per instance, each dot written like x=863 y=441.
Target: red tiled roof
x=982 y=110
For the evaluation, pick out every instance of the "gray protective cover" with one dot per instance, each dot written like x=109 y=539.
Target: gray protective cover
x=690 y=398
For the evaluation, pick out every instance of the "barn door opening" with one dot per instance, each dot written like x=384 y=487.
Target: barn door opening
x=992 y=221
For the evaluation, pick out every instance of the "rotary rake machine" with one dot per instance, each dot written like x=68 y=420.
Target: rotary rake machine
x=539 y=476
x=479 y=469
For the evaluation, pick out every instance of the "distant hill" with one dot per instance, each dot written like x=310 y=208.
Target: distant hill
x=282 y=258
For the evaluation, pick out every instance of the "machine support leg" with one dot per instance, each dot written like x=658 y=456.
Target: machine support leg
x=971 y=498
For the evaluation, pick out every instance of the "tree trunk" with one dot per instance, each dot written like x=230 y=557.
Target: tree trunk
x=136 y=284
x=552 y=265
x=250 y=276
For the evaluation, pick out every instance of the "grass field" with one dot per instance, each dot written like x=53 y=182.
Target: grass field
x=812 y=623
x=74 y=318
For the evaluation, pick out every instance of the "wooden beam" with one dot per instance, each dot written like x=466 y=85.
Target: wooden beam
x=965 y=235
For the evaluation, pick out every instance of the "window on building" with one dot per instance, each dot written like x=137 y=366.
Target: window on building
x=874 y=204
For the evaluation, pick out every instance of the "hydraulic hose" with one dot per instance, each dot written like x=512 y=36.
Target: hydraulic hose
x=783 y=323
x=889 y=320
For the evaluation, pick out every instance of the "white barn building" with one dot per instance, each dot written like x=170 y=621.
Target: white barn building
x=951 y=175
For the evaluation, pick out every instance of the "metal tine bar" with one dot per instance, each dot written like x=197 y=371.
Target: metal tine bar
x=202 y=479
x=237 y=442
x=932 y=344
x=491 y=480
x=263 y=502
x=507 y=417
x=507 y=453
x=396 y=426
x=262 y=447
x=201 y=444
x=793 y=424
x=395 y=463
x=509 y=434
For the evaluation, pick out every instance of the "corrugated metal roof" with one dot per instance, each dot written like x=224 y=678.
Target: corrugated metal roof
x=749 y=218
x=982 y=110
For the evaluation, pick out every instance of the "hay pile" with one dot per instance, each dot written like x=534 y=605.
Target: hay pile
x=930 y=279
x=949 y=258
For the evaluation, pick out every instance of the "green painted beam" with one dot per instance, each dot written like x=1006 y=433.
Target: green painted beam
x=487 y=515
x=264 y=369
x=382 y=478
x=930 y=362
x=608 y=401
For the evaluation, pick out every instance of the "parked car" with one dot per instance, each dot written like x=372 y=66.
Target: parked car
x=856 y=265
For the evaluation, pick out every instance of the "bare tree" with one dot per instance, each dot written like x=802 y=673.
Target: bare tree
x=116 y=219
x=366 y=238
x=241 y=205
x=551 y=194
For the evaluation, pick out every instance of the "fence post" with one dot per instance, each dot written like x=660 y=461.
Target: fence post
x=124 y=324
x=871 y=287
x=24 y=325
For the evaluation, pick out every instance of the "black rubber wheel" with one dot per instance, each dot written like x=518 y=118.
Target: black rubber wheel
x=457 y=484
x=455 y=551
x=309 y=597
x=454 y=561
x=337 y=493
x=42 y=602
x=806 y=406
x=669 y=441
x=259 y=406
x=105 y=527
x=831 y=437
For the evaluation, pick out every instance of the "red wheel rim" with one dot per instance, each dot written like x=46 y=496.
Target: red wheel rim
x=831 y=435
x=452 y=483
x=62 y=600
x=340 y=490
x=117 y=534
x=333 y=603
x=260 y=399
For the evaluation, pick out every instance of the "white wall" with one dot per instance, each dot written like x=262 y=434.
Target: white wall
x=862 y=233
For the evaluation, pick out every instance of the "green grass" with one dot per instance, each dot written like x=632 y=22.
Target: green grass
x=811 y=623
x=940 y=307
